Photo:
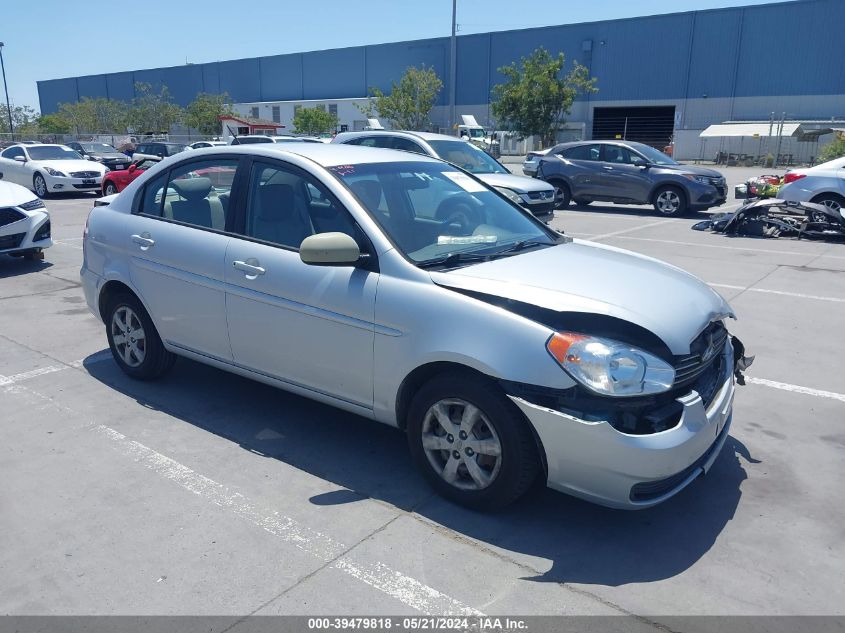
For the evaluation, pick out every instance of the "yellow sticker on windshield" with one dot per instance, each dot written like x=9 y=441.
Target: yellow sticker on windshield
x=464 y=182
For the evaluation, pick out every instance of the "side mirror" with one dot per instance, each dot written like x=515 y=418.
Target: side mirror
x=329 y=249
x=639 y=162
x=20 y=159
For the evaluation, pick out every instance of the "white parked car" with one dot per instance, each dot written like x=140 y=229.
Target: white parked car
x=823 y=184
x=506 y=351
x=532 y=161
x=47 y=169
x=24 y=221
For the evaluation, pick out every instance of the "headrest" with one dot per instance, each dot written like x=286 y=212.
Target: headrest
x=369 y=191
x=192 y=188
x=275 y=201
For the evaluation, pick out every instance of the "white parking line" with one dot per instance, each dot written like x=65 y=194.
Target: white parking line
x=784 y=293
x=63 y=243
x=407 y=590
x=632 y=229
x=50 y=369
x=785 y=386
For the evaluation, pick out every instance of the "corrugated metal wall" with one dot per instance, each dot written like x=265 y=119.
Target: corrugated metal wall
x=766 y=50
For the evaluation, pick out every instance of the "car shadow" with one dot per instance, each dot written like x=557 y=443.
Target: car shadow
x=14 y=266
x=644 y=211
x=579 y=542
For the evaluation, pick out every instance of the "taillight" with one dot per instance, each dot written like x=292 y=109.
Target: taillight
x=530 y=156
x=792 y=176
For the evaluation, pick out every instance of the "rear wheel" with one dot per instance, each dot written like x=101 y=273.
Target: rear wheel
x=832 y=201
x=670 y=201
x=109 y=189
x=563 y=196
x=471 y=442
x=134 y=341
x=40 y=186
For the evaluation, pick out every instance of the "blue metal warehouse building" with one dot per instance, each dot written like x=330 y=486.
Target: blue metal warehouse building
x=670 y=74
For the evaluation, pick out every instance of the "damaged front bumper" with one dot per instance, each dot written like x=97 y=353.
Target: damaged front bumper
x=595 y=461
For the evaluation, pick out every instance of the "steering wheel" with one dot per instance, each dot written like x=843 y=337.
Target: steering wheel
x=457 y=211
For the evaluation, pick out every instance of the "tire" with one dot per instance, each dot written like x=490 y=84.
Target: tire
x=563 y=195
x=39 y=185
x=669 y=201
x=109 y=189
x=579 y=202
x=832 y=201
x=144 y=357
x=480 y=479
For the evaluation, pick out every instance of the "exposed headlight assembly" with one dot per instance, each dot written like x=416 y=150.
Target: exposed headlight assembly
x=54 y=172
x=511 y=195
x=608 y=367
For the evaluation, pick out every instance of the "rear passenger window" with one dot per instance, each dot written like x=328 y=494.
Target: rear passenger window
x=196 y=193
x=406 y=145
x=583 y=152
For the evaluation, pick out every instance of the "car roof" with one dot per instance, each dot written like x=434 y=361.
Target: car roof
x=426 y=136
x=324 y=154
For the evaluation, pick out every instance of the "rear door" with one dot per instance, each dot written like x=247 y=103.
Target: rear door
x=584 y=169
x=177 y=244
x=311 y=326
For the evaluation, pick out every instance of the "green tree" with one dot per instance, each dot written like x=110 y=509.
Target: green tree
x=203 y=113
x=535 y=97
x=313 y=121
x=53 y=124
x=153 y=111
x=23 y=119
x=832 y=150
x=410 y=101
x=95 y=116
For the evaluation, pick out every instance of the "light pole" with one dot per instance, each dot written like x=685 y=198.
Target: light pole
x=453 y=64
x=6 y=89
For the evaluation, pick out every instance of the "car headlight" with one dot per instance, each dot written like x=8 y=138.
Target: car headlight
x=99 y=159
x=510 y=195
x=608 y=367
x=54 y=172
x=704 y=180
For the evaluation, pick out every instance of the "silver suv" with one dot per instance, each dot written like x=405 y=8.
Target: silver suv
x=536 y=196
x=505 y=350
x=625 y=172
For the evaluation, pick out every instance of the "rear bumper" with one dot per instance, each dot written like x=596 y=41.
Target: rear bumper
x=594 y=461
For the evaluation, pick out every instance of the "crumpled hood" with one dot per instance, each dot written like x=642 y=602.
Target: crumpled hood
x=587 y=277
x=520 y=184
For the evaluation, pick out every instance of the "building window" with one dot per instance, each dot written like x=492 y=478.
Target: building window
x=277 y=114
x=253 y=112
x=333 y=109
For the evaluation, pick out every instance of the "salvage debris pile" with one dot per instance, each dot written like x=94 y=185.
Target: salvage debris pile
x=778 y=218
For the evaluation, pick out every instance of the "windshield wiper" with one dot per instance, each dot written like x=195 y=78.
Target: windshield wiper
x=521 y=245
x=452 y=259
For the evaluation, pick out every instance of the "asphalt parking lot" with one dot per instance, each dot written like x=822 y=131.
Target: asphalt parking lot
x=206 y=493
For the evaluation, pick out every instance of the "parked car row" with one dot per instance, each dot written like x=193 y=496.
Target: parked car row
x=624 y=172
x=24 y=221
x=615 y=384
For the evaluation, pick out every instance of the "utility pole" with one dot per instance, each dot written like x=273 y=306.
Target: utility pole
x=453 y=64
x=6 y=89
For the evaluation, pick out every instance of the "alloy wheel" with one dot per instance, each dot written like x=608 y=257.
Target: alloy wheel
x=40 y=186
x=128 y=336
x=461 y=445
x=668 y=202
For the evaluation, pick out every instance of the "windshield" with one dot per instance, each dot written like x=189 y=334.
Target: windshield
x=52 y=152
x=476 y=132
x=654 y=156
x=101 y=148
x=432 y=210
x=174 y=149
x=467 y=156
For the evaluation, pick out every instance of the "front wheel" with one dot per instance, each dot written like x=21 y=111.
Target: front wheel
x=40 y=186
x=670 y=201
x=471 y=442
x=134 y=341
x=563 y=196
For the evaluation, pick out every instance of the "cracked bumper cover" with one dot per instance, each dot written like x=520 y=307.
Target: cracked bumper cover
x=594 y=461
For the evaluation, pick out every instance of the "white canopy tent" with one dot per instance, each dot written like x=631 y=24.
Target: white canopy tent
x=753 y=130
x=792 y=138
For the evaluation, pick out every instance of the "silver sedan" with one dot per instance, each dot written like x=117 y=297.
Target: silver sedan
x=401 y=288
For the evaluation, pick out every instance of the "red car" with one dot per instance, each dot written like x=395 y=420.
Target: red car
x=116 y=181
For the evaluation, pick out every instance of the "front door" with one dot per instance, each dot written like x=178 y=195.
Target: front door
x=311 y=326
x=13 y=170
x=621 y=178
x=177 y=245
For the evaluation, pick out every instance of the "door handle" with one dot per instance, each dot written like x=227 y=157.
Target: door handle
x=608 y=167
x=144 y=240
x=250 y=268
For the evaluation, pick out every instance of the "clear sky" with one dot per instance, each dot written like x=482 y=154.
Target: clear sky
x=56 y=38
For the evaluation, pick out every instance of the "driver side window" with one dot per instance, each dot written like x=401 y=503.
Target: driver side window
x=12 y=152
